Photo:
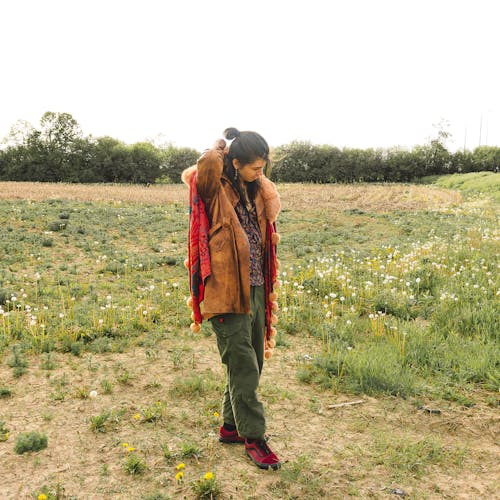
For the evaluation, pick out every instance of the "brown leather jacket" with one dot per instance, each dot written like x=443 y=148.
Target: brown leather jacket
x=227 y=289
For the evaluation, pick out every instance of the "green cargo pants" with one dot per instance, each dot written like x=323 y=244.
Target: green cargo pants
x=240 y=339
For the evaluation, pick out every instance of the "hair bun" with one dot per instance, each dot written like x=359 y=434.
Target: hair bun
x=231 y=133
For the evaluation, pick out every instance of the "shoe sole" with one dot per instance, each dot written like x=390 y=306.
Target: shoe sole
x=275 y=466
x=230 y=441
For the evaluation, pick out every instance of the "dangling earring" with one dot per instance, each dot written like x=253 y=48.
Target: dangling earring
x=235 y=174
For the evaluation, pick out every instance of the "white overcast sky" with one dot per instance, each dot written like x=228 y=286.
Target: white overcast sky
x=355 y=73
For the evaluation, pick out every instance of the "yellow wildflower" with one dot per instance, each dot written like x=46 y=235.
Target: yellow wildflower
x=216 y=414
x=42 y=496
x=179 y=476
x=208 y=476
x=180 y=466
x=130 y=448
x=137 y=416
x=125 y=445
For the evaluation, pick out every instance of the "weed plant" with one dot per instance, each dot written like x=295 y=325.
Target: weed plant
x=18 y=361
x=190 y=450
x=4 y=432
x=5 y=392
x=134 y=465
x=207 y=487
x=98 y=423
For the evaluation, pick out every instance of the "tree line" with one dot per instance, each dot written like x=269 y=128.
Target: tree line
x=57 y=151
x=303 y=162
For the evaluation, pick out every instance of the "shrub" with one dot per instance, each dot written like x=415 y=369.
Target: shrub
x=57 y=225
x=30 y=441
x=5 y=392
x=5 y=295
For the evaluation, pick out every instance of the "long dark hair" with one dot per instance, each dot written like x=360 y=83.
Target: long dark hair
x=246 y=148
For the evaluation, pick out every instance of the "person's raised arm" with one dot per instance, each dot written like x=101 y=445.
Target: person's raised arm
x=210 y=165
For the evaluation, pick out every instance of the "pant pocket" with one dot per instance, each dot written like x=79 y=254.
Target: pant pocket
x=223 y=325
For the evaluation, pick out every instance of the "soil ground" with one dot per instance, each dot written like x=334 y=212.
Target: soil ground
x=326 y=453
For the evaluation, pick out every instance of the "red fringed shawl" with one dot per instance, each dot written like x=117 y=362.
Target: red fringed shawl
x=198 y=253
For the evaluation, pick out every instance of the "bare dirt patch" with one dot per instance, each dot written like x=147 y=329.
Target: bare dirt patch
x=327 y=453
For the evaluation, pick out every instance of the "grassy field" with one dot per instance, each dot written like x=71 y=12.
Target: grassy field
x=389 y=299
x=473 y=183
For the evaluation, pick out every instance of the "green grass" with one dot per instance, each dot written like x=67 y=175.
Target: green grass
x=409 y=310
x=400 y=304
x=403 y=456
x=398 y=294
x=106 y=275
x=470 y=183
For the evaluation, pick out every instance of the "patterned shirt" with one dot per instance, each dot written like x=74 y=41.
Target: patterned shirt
x=248 y=220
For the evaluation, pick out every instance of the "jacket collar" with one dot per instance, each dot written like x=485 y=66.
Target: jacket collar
x=260 y=204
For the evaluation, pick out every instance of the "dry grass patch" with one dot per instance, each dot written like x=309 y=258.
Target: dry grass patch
x=38 y=191
x=374 y=197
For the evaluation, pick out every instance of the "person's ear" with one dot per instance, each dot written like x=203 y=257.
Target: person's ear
x=236 y=163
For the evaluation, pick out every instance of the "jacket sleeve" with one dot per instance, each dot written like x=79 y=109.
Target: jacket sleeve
x=210 y=166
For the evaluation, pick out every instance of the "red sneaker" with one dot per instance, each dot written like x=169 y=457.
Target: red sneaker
x=226 y=436
x=261 y=455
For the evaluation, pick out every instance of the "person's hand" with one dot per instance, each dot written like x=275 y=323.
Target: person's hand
x=220 y=144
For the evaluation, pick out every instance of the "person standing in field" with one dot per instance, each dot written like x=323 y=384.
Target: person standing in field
x=232 y=266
